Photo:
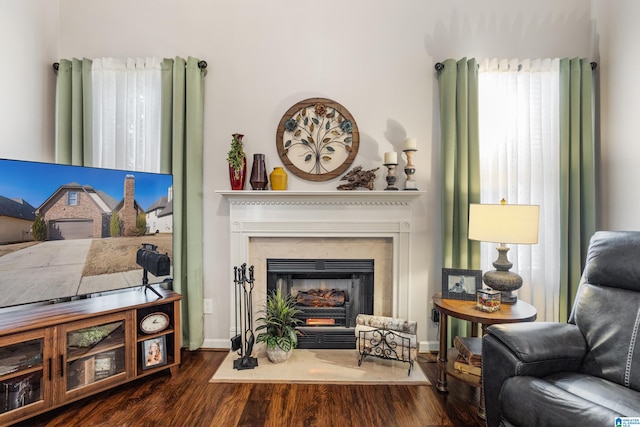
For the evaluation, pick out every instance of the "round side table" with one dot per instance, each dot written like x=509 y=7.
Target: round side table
x=466 y=310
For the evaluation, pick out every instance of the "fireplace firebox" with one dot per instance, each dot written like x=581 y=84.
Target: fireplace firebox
x=330 y=293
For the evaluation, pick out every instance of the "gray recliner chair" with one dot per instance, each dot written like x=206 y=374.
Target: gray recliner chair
x=582 y=373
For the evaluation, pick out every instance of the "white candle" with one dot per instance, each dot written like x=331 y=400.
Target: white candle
x=391 y=158
x=409 y=144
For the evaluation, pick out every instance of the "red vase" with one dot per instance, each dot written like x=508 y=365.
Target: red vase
x=237 y=183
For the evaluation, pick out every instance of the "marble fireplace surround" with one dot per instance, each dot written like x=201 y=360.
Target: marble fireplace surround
x=326 y=224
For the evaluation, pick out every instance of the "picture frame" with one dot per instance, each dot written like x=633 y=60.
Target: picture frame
x=154 y=352
x=461 y=284
x=102 y=366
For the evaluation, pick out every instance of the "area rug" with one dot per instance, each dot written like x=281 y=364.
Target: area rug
x=322 y=367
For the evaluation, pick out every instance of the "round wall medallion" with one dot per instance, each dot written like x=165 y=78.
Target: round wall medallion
x=317 y=139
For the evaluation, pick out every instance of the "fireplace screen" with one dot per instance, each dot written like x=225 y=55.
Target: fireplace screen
x=329 y=293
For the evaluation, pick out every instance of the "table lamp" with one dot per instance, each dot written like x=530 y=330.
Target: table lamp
x=502 y=224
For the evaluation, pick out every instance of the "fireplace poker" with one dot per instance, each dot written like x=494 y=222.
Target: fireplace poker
x=246 y=361
x=236 y=340
x=249 y=309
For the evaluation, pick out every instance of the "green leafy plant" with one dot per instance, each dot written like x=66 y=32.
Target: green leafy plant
x=141 y=224
x=114 y=226
x=236 y=155
x=279 y=321
x=39 y=229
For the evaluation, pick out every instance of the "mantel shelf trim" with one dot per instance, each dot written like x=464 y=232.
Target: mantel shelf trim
x=319 y=197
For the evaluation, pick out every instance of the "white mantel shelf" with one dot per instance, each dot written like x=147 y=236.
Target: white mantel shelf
x=320 y=197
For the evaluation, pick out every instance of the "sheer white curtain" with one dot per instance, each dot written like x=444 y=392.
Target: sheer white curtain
x=519 y=161
x=126 y=113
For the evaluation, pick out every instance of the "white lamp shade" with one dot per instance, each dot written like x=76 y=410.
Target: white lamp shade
x=516 y=224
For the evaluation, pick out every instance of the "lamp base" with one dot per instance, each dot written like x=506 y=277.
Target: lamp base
x=505 y=282
x=502 y=279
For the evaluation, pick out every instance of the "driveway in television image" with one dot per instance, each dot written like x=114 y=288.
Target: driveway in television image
x=53 y=268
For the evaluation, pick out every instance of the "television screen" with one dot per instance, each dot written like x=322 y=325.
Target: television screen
x=68 y=231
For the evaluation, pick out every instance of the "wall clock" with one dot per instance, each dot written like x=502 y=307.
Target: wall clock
x=154 y=323
x=317 y=139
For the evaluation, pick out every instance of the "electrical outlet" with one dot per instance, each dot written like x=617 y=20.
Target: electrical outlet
x=435 y=316
x=207 y=306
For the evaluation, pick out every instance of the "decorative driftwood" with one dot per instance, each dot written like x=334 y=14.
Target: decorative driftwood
x=358 y=178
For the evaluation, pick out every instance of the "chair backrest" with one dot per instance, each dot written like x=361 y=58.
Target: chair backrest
x=607 y=307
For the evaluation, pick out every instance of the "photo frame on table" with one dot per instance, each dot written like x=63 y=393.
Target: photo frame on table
x=154 y=352
x=461 y=284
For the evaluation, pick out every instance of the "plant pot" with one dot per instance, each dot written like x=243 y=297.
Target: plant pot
x=237 y=182
x=278 y=355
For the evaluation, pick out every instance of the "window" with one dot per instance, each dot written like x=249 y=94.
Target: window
x=519 y=161
x=72 y=198
x=126 y=113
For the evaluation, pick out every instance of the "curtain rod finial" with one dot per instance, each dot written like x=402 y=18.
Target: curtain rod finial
x=439 y=66
x=202 y=64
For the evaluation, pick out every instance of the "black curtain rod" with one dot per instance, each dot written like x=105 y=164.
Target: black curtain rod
x=201 y=64
x=440 y=66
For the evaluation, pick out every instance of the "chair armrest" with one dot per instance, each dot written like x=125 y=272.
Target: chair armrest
x=535 y=349
x=542 y=341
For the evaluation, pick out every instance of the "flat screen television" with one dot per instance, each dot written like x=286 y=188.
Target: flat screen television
x=68 y=232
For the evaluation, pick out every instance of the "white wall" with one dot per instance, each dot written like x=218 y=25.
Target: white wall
x=375 y=57
x=616 y=43
x=29 y=44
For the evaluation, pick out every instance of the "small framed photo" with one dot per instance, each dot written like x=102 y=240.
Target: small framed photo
x=154 y=352
x=461 y=284
x=104 y=365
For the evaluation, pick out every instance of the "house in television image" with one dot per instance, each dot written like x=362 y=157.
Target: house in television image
x=16 y=219
x=77 y=211
x=160 y=214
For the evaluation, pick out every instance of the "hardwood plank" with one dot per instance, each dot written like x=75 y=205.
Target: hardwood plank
x=188 y=399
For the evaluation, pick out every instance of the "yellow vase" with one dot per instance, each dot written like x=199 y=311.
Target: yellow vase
x=278 y=179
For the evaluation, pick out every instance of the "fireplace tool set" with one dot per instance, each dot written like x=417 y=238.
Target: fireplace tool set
x=243 y=342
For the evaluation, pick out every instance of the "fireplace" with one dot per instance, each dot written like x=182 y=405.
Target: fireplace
x=326 y=225
x=330 y=293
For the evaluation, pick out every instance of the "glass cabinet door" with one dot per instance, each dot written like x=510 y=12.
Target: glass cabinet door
x=94 y=353
x=21 y=372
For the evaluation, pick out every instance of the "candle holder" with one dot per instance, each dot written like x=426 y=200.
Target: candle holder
x=391 y=177
x=410 y=170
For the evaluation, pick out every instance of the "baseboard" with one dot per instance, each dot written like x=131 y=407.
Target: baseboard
x=429 y=346
x=217 y=344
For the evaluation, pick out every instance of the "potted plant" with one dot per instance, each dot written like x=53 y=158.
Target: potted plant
x=237 y=162
x=279 y=322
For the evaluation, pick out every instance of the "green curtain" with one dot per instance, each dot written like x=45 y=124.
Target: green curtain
x=73 y=112
x=181 y=154
x=181 y=145
x=577 y=174
x=459 y=165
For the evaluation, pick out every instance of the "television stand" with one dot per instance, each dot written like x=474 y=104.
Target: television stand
x=51 y=355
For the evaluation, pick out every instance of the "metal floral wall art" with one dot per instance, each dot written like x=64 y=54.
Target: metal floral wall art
x=317 y=139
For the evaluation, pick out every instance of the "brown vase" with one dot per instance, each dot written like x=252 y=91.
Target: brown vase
x=258 y=180
x=237 y=182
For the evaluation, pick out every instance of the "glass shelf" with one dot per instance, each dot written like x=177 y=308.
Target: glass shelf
x=20 y=374
x=95 y=353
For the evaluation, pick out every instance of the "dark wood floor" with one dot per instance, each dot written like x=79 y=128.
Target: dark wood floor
x=188 y=399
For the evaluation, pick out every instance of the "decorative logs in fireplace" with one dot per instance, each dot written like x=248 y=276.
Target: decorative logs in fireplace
x=331 y=293
x=322 y=298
